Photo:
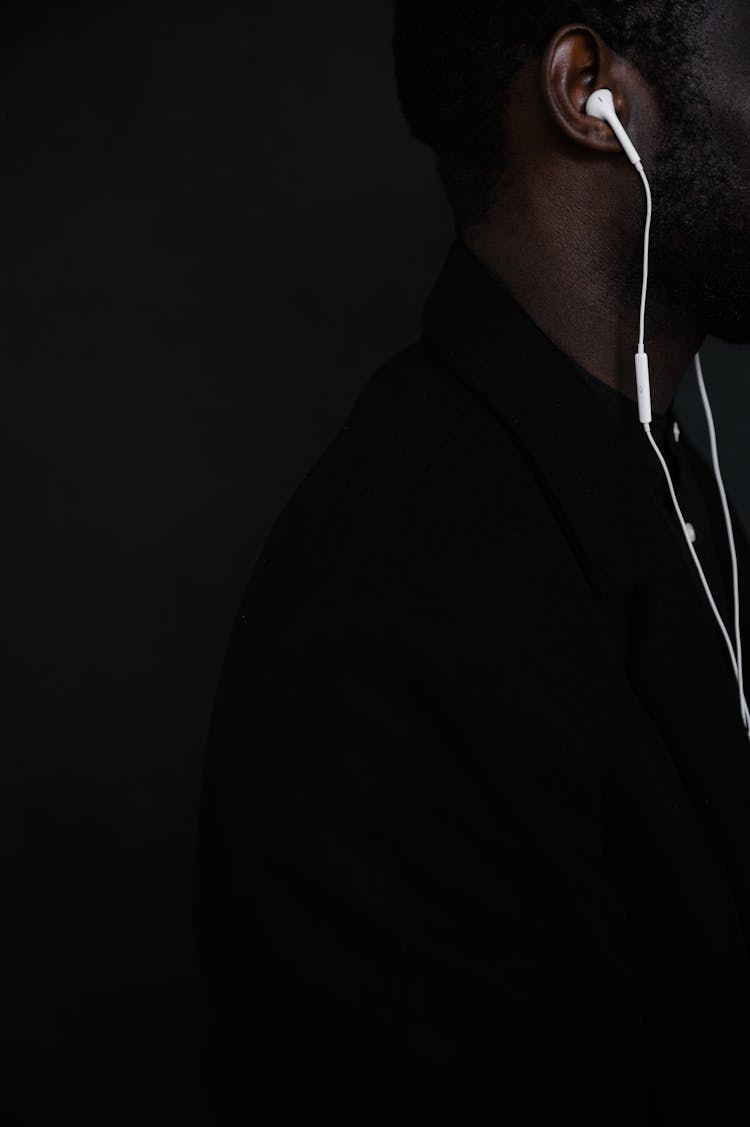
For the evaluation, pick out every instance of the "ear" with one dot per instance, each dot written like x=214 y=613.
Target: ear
x=577 y=62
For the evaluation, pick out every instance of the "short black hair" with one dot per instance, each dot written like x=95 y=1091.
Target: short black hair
x=455 y=60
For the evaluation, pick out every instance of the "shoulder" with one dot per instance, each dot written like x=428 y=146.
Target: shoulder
x=420 y=459
x=422 y=511
x=417 y=577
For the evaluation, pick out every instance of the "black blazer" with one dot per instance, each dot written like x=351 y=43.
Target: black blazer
x=474 y=843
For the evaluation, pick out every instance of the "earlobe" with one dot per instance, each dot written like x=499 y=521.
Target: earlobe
x=576 y=63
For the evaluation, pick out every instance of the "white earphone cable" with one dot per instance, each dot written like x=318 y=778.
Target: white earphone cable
x=646 y=254
x=734 y=654
x=730 y=534
x=732 y=657
x=601 y=105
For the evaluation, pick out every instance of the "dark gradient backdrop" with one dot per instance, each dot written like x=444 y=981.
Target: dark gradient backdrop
x=214 y=225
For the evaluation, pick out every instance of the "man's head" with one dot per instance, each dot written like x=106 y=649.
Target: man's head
x=682 y=68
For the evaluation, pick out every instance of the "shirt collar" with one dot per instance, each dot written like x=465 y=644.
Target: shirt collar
x=601 y=480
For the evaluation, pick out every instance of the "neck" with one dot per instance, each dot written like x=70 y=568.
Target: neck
x=547 y=260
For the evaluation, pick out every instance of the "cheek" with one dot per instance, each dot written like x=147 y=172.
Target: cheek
x=722 y=76
x=730 y=133
x=722 y=50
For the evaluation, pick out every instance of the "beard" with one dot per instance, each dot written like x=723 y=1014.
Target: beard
x=700 y=250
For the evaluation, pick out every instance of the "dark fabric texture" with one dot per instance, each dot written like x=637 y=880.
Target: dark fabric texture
x=474 y=843
x=699 y=500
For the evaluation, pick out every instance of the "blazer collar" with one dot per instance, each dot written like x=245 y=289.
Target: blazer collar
x=598 y=480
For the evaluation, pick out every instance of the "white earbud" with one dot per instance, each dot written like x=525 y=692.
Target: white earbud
x=601 y=105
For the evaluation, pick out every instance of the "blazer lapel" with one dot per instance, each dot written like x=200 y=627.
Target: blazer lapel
x=613 y=512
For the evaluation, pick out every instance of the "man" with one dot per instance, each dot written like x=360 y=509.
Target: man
x=475 y=841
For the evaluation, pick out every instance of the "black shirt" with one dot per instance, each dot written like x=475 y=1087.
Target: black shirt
x=455 y=862
x=701 y=509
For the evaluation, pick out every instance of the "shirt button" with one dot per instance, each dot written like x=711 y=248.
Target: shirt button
x=676 y=431
x=691 y=532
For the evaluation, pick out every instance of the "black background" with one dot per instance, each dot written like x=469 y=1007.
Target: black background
x=214 y=226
